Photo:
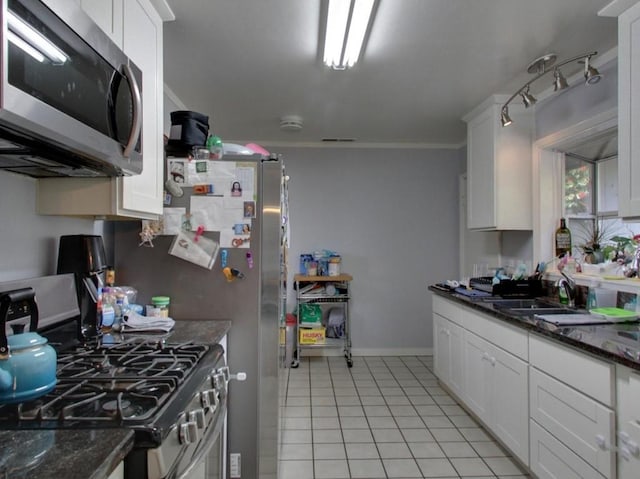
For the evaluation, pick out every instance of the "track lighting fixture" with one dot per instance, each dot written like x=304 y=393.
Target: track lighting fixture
x=527 y=98
x=591 y=74
x=540 y=67
x=559 y=81
x=505 y=119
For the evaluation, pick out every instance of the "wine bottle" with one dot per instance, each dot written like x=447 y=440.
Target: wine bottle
x=563 y=239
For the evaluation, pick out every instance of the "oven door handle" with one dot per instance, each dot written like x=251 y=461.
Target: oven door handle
x=206 y=443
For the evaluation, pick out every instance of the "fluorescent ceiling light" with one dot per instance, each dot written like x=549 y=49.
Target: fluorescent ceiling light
x=35 y=38
x=347 y=23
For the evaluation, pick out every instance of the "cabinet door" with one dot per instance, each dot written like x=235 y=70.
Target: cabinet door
x=449 y=353
x=456 y=359
x=477 y=377
x=108 y=16
x=510 y=402
x=629 y=112
x=442 y=348
x=481 y=188
x=143 y=44
x=628 y=392
x=550 y=459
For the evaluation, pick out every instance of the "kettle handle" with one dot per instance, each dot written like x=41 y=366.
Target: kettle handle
x=6 y=300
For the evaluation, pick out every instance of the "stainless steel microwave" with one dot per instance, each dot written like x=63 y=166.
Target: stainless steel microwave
x=70 y=99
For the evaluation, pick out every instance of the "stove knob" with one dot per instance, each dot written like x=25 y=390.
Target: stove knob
x=197 y=416
x=188 y=432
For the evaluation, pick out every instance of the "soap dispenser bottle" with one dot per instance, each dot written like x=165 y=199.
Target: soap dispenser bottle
x=592 y=302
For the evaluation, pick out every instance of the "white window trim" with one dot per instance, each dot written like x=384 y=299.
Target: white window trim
x=547 y=191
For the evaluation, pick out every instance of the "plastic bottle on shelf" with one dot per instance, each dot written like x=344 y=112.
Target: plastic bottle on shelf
x=108 y=309
x=118 y=312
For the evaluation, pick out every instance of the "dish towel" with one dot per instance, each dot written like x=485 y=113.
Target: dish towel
x=136 y=322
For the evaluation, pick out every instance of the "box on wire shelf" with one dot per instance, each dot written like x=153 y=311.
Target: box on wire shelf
x=312 y=336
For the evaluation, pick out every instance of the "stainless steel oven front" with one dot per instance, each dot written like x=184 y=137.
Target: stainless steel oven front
x=195 y=445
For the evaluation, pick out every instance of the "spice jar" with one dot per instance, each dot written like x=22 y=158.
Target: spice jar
x=162 y=304
x=334 y=265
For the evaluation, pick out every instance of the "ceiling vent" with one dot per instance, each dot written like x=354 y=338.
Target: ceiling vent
x=291 y=123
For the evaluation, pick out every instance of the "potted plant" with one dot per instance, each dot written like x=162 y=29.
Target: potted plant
x=596 y=236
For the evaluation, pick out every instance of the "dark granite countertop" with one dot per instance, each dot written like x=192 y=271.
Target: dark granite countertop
x=619 y=342
x=88 y=453
x=72 y=454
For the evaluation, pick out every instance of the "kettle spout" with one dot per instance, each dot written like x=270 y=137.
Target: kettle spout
x=6 y=380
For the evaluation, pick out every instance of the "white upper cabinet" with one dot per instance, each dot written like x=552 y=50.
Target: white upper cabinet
x=499 y=193
x=108 y=16
x=137 y=196
x=629 y=112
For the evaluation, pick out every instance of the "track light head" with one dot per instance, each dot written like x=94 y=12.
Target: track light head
x=591 y=74
x=559 y=81
x=505 y=119
x=527 y=98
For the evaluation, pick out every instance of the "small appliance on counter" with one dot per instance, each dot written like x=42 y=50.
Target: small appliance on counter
x=508 y=288
x=84 y=256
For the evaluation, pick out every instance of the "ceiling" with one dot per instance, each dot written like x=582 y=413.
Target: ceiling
x=427 y=63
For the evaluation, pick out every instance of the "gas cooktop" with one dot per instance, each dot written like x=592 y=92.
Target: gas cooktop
x=141 y=384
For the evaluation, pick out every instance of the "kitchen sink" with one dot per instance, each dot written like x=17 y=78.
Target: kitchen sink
x=523 y=304
x=534 y=311
x=529 y=307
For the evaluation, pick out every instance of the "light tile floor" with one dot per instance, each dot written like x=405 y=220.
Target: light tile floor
x=384 y=418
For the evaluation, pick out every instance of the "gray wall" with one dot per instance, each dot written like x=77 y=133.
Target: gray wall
x=392 y=214
x=30 y=241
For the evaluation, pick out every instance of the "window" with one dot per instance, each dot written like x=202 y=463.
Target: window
x=578 y=187
x=591 y=201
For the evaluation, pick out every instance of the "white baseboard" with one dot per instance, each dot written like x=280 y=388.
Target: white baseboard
x=369 y=352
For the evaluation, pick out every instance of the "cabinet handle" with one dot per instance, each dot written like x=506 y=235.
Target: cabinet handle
x=602 y=443
x=492 y=360
x=627 y=447
x=485 y=356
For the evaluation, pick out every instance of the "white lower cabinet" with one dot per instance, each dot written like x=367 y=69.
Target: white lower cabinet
x=550 y=459
x=572 y=401
x=448 y=357
x=580 y=423
x=496 y=391
x=489 y=380
x=628 y=399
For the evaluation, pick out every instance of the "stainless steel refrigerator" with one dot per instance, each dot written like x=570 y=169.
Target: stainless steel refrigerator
x=254 y=304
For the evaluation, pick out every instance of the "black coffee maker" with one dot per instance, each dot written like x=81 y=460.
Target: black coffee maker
x=83 y=255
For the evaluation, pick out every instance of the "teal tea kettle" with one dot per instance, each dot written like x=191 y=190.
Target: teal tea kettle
x=27 y=362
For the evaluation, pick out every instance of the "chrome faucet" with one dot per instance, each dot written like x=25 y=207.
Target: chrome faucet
x=569 y=286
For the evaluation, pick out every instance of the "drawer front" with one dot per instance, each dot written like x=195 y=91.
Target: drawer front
x=510 y=338
x=589 y=375
x=550 y=459
x=628 y=383
x=449 y=310
x=579 y=422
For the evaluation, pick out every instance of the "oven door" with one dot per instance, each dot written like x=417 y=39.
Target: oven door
x=208 y=460
x=194 y=448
